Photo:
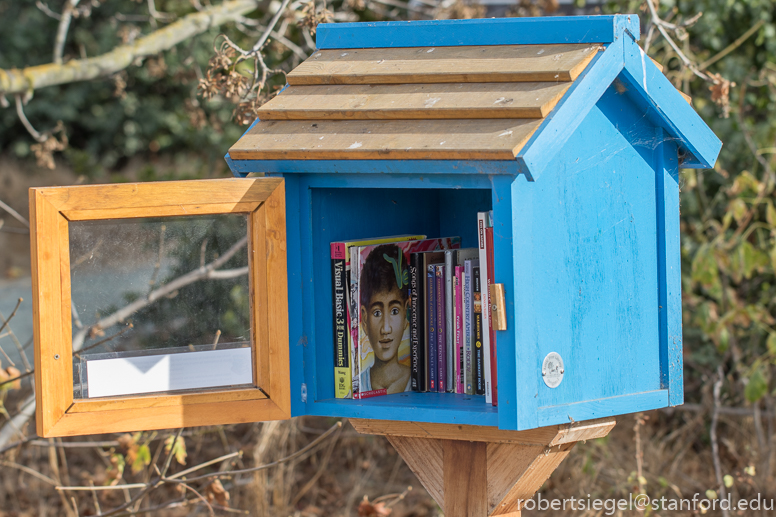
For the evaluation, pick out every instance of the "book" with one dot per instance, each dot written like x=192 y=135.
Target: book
x=417 y=324
x=345 y=335
x=441 y=328
x=430 y=259
x=491 y=328
x=479 y=359
x=431 y=351
x=458 y=317
x=468 y=327
x=453 y=258
x=383 y=326
x=482 y=223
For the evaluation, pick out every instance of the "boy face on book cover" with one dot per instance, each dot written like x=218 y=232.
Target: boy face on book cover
x=384 y=301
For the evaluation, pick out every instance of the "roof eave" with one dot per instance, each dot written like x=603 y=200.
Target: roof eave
x=626 y=60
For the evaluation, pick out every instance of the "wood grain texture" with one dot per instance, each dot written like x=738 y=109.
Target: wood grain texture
x=494 y=139
x=539 y=470
x=57 y=413
x=160 y=211
x=276 y=300
x=425 y=458
x=168 y=417
x=540 y=436
x=580 y=431
x=506 y=465
x=499 y=63
x=162 y=194
x=465 y=478
x=53 y=360
x=147 y=401
x=414 y=101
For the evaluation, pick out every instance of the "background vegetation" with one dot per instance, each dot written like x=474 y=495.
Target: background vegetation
x=174 y=114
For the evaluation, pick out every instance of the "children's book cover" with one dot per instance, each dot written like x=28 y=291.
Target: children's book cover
x=344 y=308
x=383 y=325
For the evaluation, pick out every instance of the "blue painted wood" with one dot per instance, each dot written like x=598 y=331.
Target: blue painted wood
x=240 y=168
x=503 y=31
x=601 y=408
x=669 y=269
x=593 y=287
x=569 y=113
x=434 y=181
x=676 y=115
x=442 y=408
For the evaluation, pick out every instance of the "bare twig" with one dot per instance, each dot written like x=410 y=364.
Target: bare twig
x=103 y=341
x=271 y=25
x=19 y=347
x=17 y=378
x=730 y=48
x=32 y=78
x=13 y=313
x=64 y=26
x=714 y=440
x=170 y=453
x=39 y=137
x=28 y=470
x=47 y=10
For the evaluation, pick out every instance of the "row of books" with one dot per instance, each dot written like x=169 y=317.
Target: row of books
x=413 y=314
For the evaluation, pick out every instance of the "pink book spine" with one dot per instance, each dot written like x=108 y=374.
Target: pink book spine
x=459 y=387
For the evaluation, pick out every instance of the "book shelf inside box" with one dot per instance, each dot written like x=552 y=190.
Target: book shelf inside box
x=339 y=214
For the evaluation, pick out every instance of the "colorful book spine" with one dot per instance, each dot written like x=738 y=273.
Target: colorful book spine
x=355 y=364
x=492 y=330
x=458 y=315
x=439 y=292
x=479 y=359
x=417 y=337
x=468 y=337
x=449 y=272
x=432 y=327
x=482 y=224
x=342 y=373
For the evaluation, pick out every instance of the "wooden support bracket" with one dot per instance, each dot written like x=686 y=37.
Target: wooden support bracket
x=474 y=471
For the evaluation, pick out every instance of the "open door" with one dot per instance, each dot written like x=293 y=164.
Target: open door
x=159 y=305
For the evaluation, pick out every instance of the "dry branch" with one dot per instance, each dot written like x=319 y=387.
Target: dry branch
x=23 y=81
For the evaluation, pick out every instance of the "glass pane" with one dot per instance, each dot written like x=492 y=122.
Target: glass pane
x=160 y=304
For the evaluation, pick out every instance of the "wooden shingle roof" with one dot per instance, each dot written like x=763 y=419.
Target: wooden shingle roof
x=463 y=102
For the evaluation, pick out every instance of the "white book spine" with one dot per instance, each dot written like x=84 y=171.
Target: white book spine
x=449 y=323
x=482 y=223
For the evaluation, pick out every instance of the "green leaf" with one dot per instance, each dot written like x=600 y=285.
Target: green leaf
x=728 y=480
x=711 y=494
x=771 y=343
x=142 y=459
x=179 y=450
x=704 y=267
x=738 y=208
x=770 y=214
x=724 y=340
x=757 y=386
x=751 y=259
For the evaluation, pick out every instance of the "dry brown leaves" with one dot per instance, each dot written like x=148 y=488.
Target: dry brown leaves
x=215 y=492
x=49 y=144
x=367 y=509
x=720 y=93
x=221 y=78
x=463 y=10
x=311 y=17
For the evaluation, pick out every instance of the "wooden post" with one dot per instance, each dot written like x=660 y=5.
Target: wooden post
x=474 y=471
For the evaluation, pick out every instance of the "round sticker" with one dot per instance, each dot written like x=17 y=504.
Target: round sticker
x=552 y=370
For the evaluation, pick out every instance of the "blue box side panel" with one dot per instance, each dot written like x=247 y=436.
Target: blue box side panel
x=593 y=247
x=509 y=31
x=670 y=269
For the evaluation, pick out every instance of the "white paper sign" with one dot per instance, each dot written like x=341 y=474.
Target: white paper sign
x=169 y=372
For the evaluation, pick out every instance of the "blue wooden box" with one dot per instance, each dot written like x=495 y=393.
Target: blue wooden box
x=586 y=225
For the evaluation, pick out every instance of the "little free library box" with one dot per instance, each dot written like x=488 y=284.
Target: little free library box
x=561 y=128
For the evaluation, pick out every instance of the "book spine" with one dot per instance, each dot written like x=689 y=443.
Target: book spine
x=482 y=224
x=342 y=374
x=479 y=381
x=432 y=339
x=467 y=328
x=458 y=314
x=441 y=329
x=416 y=323
x=355 y=366
x=491 y=274
x=449 y=321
